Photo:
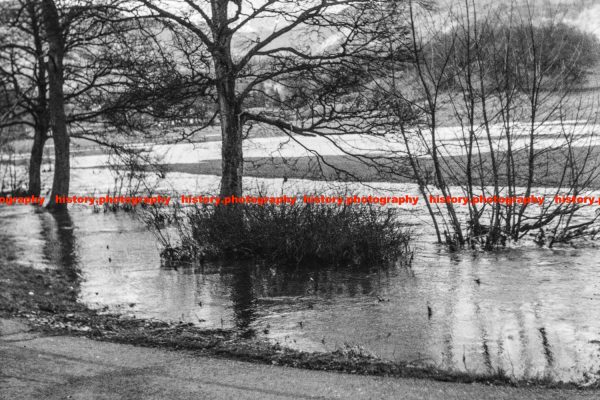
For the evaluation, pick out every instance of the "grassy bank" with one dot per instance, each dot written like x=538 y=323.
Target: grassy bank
x=47 y=300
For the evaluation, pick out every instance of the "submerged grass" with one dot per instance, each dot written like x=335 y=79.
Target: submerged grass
x=287 y=235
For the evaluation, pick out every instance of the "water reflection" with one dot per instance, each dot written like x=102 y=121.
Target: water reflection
x=59 y=249
x=243 y=300
x=528 y=313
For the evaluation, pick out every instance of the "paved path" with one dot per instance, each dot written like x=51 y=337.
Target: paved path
x=36 y=367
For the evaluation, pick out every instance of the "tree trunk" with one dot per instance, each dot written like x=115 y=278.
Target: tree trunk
x=232 y=162
x=229 y=108
x=35 y=162
x=58 y=120
x=41 y=106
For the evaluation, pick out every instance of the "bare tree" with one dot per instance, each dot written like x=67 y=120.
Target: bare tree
x=316 y=42
x=22 y=64
x=56 y=61
x=507 y=83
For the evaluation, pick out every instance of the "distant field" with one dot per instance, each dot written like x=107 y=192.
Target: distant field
x=187 y=134
x=548 y=170
x=582 y=104
x=87 y=147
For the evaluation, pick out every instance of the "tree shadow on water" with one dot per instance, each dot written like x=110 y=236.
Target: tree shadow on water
x=60 y=244
x=243 y=301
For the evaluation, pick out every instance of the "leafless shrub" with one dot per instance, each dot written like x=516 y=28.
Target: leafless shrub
x=509 y=84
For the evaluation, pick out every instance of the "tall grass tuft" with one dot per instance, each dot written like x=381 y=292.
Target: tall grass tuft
x=286 y=235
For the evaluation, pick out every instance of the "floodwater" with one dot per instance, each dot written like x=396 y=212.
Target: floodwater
x=527 y=312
